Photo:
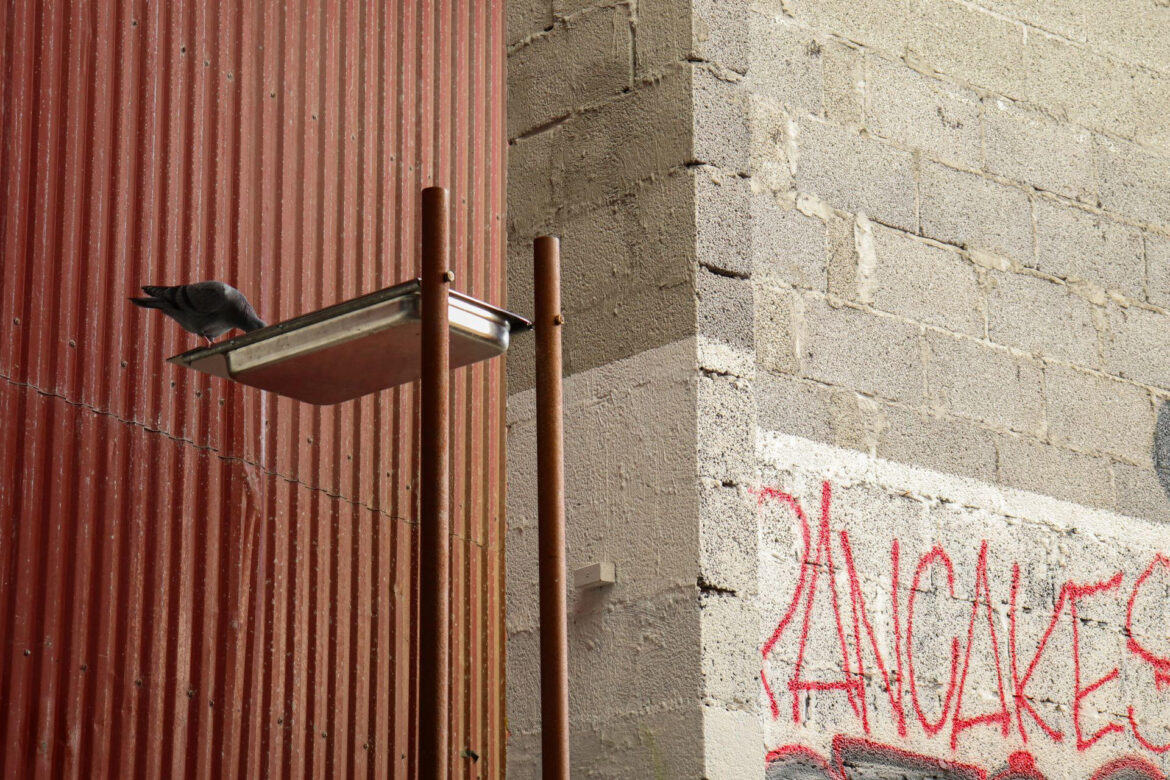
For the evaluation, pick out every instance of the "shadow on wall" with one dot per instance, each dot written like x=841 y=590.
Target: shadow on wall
x=1162 y=446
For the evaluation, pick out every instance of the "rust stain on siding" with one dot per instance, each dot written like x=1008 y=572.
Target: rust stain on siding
x=197 y=578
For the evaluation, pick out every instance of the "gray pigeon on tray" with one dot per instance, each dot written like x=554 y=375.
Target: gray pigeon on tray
x=207 y=309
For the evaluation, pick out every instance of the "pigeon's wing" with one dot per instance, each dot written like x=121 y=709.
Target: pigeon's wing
x=198 y=298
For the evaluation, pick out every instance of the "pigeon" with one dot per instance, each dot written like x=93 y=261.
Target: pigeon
x=207 y=309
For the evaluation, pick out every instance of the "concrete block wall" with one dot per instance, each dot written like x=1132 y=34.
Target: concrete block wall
x=949 y=214
x=600 y=146
x=969 y=235
x=601 y=143
x=915 y=250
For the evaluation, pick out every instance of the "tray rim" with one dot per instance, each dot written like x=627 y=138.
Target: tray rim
x=411 y=288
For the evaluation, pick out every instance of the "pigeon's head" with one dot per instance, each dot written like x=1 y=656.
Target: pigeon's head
x=252 y=322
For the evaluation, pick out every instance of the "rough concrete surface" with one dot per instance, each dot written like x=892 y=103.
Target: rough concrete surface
x=980 y=567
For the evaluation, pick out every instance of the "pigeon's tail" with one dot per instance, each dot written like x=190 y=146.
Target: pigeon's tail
x=148 y=303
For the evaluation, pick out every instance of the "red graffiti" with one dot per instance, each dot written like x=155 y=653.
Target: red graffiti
x=859 y=612
x=852 y=686
x=923 y=564
x=1160 y=663
x=1011 y=713
x=850 y=755
x=1001 y=716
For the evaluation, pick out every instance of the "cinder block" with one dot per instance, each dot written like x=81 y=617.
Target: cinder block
x=639 y=247
x=721 y=32
x=533 y=181
x=768 y=128
x=1152 y=90
x=1132 y=30
x=527 y=17
x=786 y=404
x=1133 y=180
x=985 y=383
x=723 y=226
x=854 y=173
x=978 y=213
x=521 y=361
x=632 y=322
x=921 y=281
x=1075 y=243
x=862 y=351
x=1157 y=269
x=1041 y=317
x=521 y=607
x=787 y=65
x=940 y=442
x=857 y=421
x=1135 y=29
x=726 y=430
x=922 y=112
x=624 y=512
x=1054 y=471
x=563 y=9
x=635 y=243
x=863 y=506
x=663 y=36
x=1097 y=414
x=1137 y=345
x=725 y=308
x=1077 y=82
x=634 y=657
x=733 y=742
x=607 y=149
x=617 y=258
x=579 y=62
x=967 y=42
x=787 y=247
x=730 y=628
x=720 y=115
x=842 y=272
x=1033 y=148
x=776 y=329
x=844 y=78
x=882 y=24
x=728 y=554
x=649 y=742
x=524 y=748
x=523 y=673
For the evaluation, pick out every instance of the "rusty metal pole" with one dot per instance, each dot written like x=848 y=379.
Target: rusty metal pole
x=550 y=477
x=435 y=521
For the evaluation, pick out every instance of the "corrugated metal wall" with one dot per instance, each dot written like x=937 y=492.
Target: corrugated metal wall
x=197 y=578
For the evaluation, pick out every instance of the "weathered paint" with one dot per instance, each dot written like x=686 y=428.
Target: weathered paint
x=198 y=578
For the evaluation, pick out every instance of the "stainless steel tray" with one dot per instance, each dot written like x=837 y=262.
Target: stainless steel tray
x=355 y=347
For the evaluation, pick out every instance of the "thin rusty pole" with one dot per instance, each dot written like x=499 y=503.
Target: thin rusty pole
x=550 y=478
x=435 y=520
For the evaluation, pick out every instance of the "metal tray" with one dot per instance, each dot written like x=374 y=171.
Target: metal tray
x=353 y=348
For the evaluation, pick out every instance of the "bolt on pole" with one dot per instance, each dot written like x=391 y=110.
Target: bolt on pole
x=550 y=456
x=435 y=519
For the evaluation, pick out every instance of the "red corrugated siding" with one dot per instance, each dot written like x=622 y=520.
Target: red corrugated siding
x=197 y=578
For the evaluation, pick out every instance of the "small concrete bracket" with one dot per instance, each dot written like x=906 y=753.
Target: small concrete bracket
x=596 y=575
